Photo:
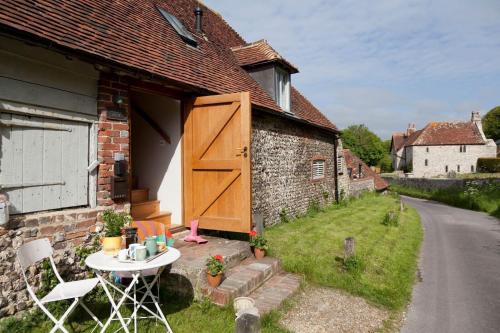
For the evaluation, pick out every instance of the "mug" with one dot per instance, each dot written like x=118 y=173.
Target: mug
x=131 y=250
x=141 y=253
x=150 y=244
x=122 y=255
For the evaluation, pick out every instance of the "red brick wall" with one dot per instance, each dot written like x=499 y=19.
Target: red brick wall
x=113 y=136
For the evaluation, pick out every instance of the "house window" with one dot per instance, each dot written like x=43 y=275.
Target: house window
x=426 y=162
x=178 y=27
x=427 y=149
x=471 y=168
x=340 y=165
x=283 y=89
x=458 y=168
x=463 y=148
x=446 y=169
x=318 y=169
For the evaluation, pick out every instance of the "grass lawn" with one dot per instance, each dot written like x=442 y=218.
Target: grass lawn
x=387 y=254
x=183 y=316
x=484 y=198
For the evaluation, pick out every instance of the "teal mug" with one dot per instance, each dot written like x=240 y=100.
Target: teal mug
x=141 y=253
x=150 y=244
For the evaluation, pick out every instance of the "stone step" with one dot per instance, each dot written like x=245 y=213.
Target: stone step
x=188 y=274
x=275 y=291
x=243 y=279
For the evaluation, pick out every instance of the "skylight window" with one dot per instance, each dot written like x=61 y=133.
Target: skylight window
x=179 y=27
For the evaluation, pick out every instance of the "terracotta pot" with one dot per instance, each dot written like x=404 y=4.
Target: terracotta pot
x=111 y=245
x=214 y=281
x=259 y=253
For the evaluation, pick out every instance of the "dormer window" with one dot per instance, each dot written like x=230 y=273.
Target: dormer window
x=283 y=89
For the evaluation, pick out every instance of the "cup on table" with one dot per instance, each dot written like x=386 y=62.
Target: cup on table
x=141 y=253
x=150 y=244
x=122 y=255
x=131 y=250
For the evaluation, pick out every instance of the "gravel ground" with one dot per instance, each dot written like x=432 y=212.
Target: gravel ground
x=320 y=310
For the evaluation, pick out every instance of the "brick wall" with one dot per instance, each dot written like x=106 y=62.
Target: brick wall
x=282 y=154
x=113 y=135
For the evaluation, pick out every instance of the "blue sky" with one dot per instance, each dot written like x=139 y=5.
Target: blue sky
x=382 y=63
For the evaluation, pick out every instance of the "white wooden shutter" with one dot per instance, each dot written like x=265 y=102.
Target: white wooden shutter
x=43 y=166
x=318 y=169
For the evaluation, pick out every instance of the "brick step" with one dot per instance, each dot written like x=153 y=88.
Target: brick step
x=146 y=208
x=139 y=195
x=275 y=291
x=243 y=279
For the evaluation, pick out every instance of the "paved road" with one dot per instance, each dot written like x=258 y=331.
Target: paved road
x=460 y=271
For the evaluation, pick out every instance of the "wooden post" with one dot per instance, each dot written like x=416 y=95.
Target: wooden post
x=401 y=205
x=258 y=221
x=349 y=247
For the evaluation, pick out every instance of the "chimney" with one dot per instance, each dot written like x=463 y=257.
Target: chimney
x=411 y=129
x=199 y=14
x=476 y=119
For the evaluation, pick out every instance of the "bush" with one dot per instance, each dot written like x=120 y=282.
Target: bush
x=391 y=218
x=354 y=265
x=491 y=164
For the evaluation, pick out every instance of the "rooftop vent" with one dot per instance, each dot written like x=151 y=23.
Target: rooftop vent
x=199 y=15
x=179 y=27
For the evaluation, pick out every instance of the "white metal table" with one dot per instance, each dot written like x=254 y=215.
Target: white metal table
x=100 y=263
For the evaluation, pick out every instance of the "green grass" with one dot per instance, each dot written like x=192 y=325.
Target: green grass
x=183 y=316
x=484 y=198
x=386 y=255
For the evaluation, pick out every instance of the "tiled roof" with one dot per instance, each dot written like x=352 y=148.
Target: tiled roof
x=305 y=110
x=260 y=52
x=353 y=162
x=133 y=33
x=441 y=133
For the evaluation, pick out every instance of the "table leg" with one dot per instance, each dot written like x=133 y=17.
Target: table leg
x=116 y=307
x=148 y=291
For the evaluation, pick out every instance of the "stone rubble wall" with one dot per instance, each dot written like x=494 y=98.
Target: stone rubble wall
x=357 y=186
x=282 y=155
x=440 y=183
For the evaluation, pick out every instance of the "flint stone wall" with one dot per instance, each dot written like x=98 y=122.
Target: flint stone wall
x=282 y=155
x=441 y=183
x=66 y=229
x=358 y=186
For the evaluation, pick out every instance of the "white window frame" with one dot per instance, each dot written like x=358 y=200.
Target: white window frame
x=283 y=89
x=318 y=169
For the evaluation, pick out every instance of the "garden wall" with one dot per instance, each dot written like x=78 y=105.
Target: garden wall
x=358 y=186
x=282 y=155
x=440 y=183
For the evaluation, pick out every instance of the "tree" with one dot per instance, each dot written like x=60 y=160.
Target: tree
x=385 y=162
x=491 y=124
x=364 y=143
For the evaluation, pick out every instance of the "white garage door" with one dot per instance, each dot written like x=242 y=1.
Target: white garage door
x=43 y=162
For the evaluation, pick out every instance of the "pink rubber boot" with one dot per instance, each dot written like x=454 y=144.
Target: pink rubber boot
x=194 y=234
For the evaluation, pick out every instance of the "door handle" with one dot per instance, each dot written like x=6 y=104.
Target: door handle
x=243 y=151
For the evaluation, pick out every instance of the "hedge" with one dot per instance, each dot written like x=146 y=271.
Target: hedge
x=488 y=164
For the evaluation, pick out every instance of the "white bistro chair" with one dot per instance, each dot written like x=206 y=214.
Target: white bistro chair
x=37 y=250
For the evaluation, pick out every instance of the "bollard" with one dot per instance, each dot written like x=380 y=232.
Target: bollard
x=349 y=247
x=248 y=321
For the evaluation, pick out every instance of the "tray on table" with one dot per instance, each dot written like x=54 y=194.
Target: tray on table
x=148 y=259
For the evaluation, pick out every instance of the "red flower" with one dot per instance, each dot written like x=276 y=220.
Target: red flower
x=218 y=257
x=168 y=234
x=253 y=233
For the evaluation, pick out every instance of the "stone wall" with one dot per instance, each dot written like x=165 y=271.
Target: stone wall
x=343 y=175
x=282 y=155
x=357 y=186
x=440 y=183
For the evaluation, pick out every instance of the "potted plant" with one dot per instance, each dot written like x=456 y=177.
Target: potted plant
x=215 y=267
x=113 y=224
x=259 y=244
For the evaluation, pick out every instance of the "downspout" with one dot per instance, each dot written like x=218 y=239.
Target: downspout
x=336 y=177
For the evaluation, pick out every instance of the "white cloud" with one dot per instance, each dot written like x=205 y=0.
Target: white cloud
x=382 y=62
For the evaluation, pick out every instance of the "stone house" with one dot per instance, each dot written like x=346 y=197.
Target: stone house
x=151 y=108
x=362 y=177
x=441 y=148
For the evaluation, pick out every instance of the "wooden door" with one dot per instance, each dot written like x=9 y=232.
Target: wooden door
x=216 y=153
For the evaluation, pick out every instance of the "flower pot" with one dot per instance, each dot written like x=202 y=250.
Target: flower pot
x=111 y=245
x=214 y=281
x=259 y=253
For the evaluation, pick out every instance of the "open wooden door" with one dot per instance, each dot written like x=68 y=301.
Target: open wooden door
x=216 y=153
